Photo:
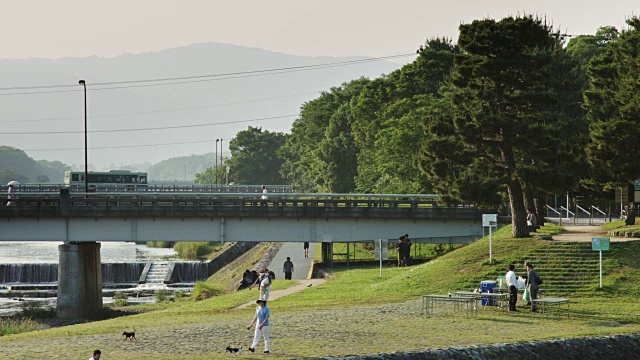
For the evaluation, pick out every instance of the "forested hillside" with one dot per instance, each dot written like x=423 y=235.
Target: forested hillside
x=18 y=166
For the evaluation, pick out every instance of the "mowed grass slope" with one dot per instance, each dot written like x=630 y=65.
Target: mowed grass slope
x=357 y=312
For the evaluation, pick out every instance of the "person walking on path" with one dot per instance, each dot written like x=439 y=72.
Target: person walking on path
x=96 y=355
x=306 y=249
x=264 y=282
x=261 y=320
x=533 y=281
x=287 y=268
x=512 y=283
x=263 y=199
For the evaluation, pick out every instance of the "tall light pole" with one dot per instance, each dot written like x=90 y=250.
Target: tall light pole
x=215 y=170
x=221 y=154
x=86 y=164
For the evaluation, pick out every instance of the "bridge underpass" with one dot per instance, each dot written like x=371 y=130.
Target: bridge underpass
x=82 y=221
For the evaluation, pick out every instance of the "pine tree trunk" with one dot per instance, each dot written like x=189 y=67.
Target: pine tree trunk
x=542 y=205
x=519 y=228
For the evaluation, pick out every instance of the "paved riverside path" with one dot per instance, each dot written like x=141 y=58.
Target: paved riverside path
x=276 y=294
x=584 y=233
x=295 y=251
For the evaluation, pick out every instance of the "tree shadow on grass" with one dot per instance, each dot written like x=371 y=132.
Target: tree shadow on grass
x=509 y=321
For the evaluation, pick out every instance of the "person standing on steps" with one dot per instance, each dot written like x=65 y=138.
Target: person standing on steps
x=512 y=283
x=287 y=269
x=306 y=249
x=531 y=218
x=261 y=319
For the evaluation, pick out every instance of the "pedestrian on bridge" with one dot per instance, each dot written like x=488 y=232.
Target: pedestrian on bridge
x=263 y=199
x=287 y=269
x=11 y=195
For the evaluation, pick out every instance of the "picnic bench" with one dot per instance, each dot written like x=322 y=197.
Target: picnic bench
x=500 y=299
x=552 y=306
x=466 y=303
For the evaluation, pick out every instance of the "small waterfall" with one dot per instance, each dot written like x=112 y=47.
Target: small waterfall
x=118 y=273
x=188 y=272
x=121 y=273
x=28 y=273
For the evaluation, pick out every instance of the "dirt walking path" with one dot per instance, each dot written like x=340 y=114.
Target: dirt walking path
x=584 y=233
x=276 y=294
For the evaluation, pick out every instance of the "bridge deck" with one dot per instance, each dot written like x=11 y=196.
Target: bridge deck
x=233 y=204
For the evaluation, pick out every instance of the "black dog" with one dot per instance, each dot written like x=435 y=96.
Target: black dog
x=129 y=335
x=234 y=351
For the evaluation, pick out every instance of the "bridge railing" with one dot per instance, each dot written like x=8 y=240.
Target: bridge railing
x=52 y=199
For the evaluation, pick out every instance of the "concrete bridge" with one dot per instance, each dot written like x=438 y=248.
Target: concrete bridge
x=82 y=220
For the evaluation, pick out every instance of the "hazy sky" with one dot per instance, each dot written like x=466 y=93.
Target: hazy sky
x=60 y=28
x=107 y=28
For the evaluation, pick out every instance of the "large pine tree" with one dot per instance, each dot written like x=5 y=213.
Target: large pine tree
x=506 y=116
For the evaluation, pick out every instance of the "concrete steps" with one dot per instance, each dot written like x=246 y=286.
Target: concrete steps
x=157 y=273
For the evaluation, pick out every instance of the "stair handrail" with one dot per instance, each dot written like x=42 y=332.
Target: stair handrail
x=554 y=210
x=567 y=210
x=583 y=210
x=598 y=210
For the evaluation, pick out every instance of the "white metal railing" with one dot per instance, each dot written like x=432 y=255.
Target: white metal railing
x=578 y=207
x=568 y=212
x=604 y=215
x=557 y=212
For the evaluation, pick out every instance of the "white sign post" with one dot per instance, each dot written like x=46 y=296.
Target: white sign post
x=490 y=220
x=381 y=251
x=600 y=244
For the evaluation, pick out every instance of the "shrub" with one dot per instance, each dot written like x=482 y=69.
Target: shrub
x=16 y=326
x=203 y=291
x=121 y=299
x=37 y=310
x=180 y=294
x=160 y=296
x=160 y=244
x=192 y=250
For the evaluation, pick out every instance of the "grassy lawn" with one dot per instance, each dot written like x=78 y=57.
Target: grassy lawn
x=357 y=312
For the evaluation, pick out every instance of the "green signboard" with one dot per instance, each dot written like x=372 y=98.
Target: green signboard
x=601 y=244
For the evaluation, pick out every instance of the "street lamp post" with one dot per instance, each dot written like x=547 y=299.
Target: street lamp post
x=86 y=164
x=221 y=154
x=215 y=170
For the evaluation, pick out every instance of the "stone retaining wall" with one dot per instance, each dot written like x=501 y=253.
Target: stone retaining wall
x=608 y=347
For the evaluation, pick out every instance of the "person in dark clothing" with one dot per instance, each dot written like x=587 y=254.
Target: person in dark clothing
x=533 y=281
x=401 y=251
x=287 y=268
x=407 y=250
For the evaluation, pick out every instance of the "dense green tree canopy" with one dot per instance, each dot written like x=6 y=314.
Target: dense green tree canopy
x=320 y=152
x=254 y=157
x=613 y=100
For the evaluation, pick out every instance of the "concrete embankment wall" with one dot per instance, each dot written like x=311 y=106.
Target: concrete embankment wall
x=619 y=347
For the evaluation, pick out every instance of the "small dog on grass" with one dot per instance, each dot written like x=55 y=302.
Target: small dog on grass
x=129 y=335
x=234 y=351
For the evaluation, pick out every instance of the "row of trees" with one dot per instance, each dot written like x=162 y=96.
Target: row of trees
x=507 y=113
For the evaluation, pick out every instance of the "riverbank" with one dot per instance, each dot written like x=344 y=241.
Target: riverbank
x=357 y=312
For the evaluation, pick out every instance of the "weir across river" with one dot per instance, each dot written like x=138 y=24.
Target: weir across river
x=82 y=220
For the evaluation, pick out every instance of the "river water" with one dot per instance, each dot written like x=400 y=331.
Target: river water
x=110 y=252
x=47 y=252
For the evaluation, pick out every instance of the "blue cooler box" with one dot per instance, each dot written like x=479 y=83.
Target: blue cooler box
x=487 y=286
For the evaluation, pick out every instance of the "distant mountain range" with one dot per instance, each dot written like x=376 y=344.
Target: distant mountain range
x=192 y=107
x=15 y=164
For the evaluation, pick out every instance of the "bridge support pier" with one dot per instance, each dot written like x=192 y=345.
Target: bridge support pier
x=79 y=280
